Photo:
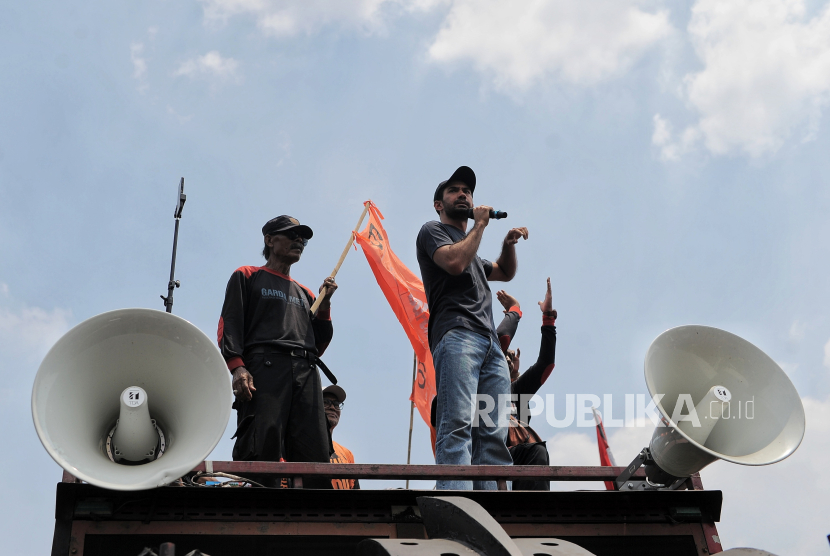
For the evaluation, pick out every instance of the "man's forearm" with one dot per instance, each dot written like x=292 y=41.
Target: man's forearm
x=458 y=256
x=507 y=260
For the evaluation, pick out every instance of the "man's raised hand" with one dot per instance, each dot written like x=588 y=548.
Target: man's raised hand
x=514 y=234
x=506 y=300
x=546 y=305
x=243 y=384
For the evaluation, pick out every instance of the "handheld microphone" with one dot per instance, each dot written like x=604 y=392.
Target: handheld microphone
x=494 y=214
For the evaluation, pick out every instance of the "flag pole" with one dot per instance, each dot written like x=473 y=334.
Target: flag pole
x=319 y=299
x=411 y=411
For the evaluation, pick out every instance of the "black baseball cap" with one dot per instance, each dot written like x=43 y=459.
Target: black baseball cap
x=334 y=390
x=464 y=174
x=283 y=223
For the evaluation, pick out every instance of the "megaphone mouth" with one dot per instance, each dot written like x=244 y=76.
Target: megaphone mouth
x=115 y=455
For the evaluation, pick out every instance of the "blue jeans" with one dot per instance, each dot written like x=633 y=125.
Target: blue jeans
x=469 y=364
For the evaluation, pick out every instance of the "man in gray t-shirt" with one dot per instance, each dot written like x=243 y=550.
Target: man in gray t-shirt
x=471 y=375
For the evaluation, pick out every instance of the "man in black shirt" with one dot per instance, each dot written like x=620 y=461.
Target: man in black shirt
x=271 y=343
x=525 y=445
x=470 y=368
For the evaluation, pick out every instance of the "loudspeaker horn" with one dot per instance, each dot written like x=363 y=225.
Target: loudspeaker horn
x=748 y=411
x=139 y=386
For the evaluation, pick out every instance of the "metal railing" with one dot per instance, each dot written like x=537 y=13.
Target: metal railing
x=499 y=473
x=370 y=471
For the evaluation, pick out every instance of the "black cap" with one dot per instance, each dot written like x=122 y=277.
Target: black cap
x=336 y=391
x=464 y=174
x=283 y=223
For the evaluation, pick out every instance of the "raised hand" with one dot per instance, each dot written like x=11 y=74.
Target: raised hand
x=506 y=300
x=512 y=237
x=546 y=305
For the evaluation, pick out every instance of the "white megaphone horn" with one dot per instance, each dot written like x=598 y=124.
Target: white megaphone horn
x=720 y=397
x=131 y=399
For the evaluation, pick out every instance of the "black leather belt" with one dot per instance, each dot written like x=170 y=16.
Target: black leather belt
x=295 y=352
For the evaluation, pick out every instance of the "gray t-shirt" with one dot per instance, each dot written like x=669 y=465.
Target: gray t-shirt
x=454 y=301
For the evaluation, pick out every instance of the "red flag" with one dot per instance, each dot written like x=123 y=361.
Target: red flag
x=405 y=293
x=606 y=458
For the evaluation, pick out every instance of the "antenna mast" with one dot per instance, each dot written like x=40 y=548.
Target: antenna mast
x=173 y=283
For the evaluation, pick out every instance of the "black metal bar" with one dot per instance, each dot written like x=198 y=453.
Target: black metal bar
x=173 y=283
x=64 y=513
x=632 y=468
x=61 y=536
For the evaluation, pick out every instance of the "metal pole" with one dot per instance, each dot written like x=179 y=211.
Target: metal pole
x=411 y=411
x=173 y=283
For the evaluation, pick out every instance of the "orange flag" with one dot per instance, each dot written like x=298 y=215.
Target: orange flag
x=405 y=293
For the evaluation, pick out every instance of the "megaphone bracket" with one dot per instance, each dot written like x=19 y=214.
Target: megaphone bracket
x=644 y=458
x=112 y=450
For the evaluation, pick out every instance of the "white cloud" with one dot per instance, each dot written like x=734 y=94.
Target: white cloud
x=765 y=76
x=182 y=119
x=519 y=44
x=577 y=448
x=211 y=65
x=139 y=65
x=283 y=148
x=662 y=131
x=285 y=18
x=662 y=137
x=789 y=368
x=627 y=442
x=513 y=44
x=31 y=331
x=797 y=330
x=574 y=448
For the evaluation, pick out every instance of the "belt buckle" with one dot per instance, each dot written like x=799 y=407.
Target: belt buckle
x=298 y=352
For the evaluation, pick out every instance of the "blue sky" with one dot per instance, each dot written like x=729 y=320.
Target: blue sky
x=666 y=158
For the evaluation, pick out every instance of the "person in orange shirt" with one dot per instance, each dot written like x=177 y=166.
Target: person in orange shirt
x=333 y=398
